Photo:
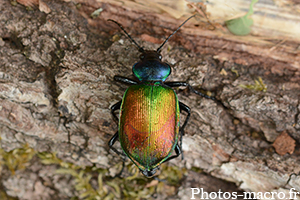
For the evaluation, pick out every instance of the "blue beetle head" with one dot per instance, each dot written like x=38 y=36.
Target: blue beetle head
x=151 y=68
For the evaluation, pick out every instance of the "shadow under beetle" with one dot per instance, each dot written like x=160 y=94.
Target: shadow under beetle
x=150 y=111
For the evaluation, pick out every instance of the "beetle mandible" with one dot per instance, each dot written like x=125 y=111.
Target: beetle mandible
x=150 y=111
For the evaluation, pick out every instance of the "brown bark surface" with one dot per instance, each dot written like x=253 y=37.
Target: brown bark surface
x=56 y=90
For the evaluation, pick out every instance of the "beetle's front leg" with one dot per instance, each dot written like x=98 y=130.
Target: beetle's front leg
x=178 y=84
x=125 y=80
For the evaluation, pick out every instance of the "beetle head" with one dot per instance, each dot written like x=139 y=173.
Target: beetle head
x=151 y=68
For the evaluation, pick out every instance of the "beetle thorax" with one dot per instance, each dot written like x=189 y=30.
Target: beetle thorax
x=151 y=68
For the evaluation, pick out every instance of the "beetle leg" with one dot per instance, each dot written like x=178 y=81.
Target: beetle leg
x=115 y=107
x=178 y=84
x=177 y=151
x=112 y=142
x=120 y=173
x=116 y=135
x=125 y=80
x=187 y=109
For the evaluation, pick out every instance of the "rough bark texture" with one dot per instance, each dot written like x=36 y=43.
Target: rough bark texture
x=56 y=88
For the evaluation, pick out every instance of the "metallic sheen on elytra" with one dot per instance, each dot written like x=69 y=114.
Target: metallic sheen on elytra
x=149 y=124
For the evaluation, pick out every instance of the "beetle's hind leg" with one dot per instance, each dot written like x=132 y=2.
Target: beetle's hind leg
x=187 y=109
x=112 y=142
x=116 y=135
x=121 y=154
x=177 y=151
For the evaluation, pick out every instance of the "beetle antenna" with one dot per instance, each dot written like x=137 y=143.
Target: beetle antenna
x=140 y=48
x=159 y=48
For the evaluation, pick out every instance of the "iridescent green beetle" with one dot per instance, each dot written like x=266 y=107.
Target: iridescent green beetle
x=150 y=112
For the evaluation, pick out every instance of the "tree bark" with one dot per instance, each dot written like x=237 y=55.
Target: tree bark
x=57 y=88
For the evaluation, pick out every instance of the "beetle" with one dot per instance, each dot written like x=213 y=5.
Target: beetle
x=148 y=128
